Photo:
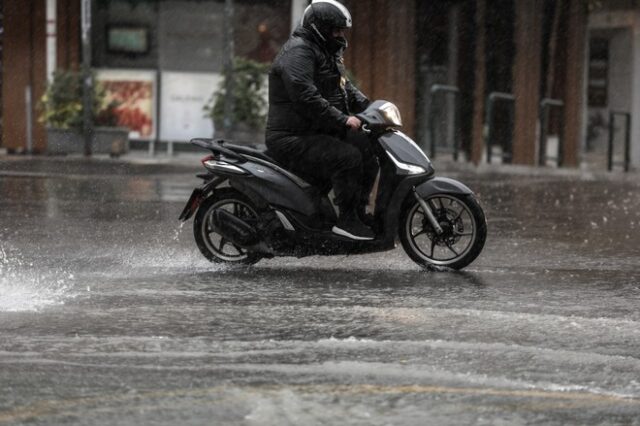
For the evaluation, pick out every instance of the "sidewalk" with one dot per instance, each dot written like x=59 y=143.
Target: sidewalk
x=134 y=163
x=141 y=163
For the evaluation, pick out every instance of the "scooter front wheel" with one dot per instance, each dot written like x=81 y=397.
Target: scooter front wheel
x=213 y=245
x=463 y=226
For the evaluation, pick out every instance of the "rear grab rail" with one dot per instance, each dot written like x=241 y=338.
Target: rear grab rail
x=215 y=146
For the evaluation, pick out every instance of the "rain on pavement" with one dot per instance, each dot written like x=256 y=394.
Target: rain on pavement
x=110 y=315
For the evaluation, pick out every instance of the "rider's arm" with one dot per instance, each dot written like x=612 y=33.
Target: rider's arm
x=358 y=102
x=297 y=71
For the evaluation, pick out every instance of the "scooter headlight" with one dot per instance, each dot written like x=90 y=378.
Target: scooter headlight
x=391 y=113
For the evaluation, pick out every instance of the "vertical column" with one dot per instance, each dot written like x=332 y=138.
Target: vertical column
x=382 y=53
x=229 y=54
x=23 y=66
x=452 y=102
x=400 y=86
x=297 y=9
x=87 y=81
x=574 y=70
x=526 y=79
x=16 y=71
x=68 y=34
x=409 y=47
x=480 y=83
x=360 y=54
x=379 y=21
x=38 y=73
x=51 y=38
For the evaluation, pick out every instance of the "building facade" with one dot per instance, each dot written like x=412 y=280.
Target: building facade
x=613 y=80
x=161 y=58
x=533 y=51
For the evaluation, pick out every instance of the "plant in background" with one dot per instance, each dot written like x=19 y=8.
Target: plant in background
x=61 y=105
x=105 y=115
x=249 y=84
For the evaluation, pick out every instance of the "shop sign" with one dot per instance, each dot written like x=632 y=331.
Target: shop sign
x=183 y=96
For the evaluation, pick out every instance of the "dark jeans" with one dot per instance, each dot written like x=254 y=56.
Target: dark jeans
x=348 y=164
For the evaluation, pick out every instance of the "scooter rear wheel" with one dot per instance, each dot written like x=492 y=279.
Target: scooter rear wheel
x=211 y=244
x=464 y=231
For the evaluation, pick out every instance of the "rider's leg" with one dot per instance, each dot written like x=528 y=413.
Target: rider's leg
x=369 y=168
x=328 y=158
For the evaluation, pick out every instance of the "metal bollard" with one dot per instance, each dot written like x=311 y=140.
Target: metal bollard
x=545 y=104
x=28 y=102
x=627 y=140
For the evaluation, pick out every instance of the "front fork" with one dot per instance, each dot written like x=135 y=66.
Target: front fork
x=435 y=186
x=428 y=213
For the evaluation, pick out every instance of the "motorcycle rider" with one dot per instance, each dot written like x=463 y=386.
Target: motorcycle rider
x=311 y=127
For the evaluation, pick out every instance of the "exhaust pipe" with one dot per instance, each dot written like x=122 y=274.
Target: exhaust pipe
x=234 y=229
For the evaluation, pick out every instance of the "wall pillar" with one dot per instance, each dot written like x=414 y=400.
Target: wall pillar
x=573 y=94
x=479 y=88
x=24 y=65
x=68 y=34
x=382 y=53
x=526 y=79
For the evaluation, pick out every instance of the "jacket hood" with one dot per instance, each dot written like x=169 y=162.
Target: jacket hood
x=308 y=35
x=332 y=47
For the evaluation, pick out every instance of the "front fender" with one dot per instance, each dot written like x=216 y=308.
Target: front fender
x=442 y=185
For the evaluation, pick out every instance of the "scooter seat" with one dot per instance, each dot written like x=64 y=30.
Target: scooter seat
x=303 y=181
x=242 y=149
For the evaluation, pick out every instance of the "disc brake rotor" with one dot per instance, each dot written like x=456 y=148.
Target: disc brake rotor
x=451 y=224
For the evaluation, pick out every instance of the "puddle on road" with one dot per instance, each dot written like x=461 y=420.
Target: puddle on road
x=124 y=231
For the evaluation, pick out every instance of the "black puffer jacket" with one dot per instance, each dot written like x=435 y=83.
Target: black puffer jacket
x=308 y=90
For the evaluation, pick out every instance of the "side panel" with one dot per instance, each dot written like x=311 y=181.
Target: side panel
x=405 y=150
x=442 y=185
x=275 y=188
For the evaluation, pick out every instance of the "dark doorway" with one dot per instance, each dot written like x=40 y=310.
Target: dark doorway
x=500 y=55
x=434 y=66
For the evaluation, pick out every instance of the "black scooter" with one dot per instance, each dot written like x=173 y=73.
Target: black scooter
x=249 y=207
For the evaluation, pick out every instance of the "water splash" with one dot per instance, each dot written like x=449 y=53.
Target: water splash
x=25 y=288
x=148 y=256
x=178 y=231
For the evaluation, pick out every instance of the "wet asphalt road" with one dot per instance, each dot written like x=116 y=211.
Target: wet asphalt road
x=109 y=314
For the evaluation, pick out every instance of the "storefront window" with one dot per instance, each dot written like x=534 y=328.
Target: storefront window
x=162 y=60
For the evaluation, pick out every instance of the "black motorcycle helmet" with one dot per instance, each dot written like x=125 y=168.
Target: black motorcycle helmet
x=323 y=17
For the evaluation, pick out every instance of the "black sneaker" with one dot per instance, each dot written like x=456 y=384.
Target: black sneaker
x=367 y=218
x=352 y=227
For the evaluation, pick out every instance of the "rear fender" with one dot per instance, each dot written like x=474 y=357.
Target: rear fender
x=197 y=196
